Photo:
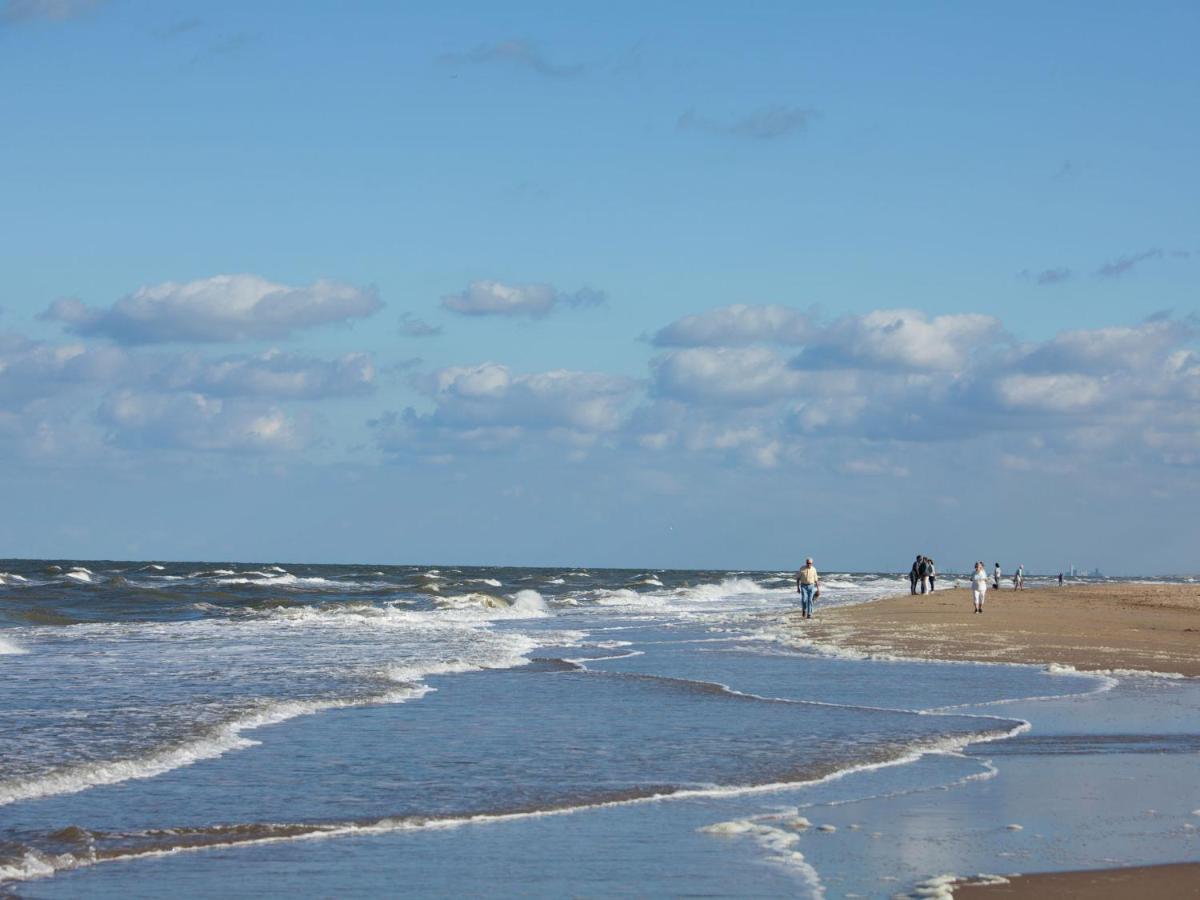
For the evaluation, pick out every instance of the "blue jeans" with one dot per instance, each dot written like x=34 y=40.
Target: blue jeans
x=806 y=598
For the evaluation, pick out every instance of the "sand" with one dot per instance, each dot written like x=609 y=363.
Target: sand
x=1160 y=882
x=1110 y=627
x=1151 y=627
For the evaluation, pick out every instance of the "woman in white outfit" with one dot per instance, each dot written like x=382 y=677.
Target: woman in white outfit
x=979 y=586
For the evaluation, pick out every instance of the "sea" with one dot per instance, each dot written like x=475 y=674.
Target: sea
x=233 y=729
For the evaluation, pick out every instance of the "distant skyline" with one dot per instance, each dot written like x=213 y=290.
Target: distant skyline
x=600 y=284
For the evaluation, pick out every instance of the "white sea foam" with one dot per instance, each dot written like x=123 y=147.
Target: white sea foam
x=941 y=887
x=83 y=576
x=9 y=648
x=780 y=844
x=12 y=578
x=36 y=865
x=489 y=581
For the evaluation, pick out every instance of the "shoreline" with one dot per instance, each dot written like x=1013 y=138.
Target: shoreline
x=1150 y=629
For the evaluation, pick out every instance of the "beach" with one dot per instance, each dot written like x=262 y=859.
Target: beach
x=1090 y=627
x=1119 y=629
x=1161 y=882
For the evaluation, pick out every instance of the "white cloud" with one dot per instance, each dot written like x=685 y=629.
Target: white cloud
x=197 y=422
x=494 y=298
x=730 y=375
x=272 y=374
x=38 y=369
x=221 y=308
x=488 y=407
x=736 y=325
x=903 y=339
x=1109 y=349
x=490 y=394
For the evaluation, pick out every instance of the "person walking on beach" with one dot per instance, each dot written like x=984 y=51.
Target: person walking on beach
x=1019 y=578
x=996 y=576
x=914 y=574
x=1060 y=579
x=932 y=573
x=808 y=586
x=979 y=586
x=923 y=573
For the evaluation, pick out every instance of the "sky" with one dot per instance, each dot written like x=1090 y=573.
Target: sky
x=690 y=285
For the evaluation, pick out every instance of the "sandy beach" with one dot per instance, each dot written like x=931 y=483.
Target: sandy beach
x=1161 y=882
x=1149 y=627
x=1111 y=627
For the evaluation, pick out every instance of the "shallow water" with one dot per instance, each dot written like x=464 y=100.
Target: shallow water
x=218 y=728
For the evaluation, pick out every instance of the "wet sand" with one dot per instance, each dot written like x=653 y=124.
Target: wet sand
x=1150 y=627
x=1181 y=880
x=1146 y=627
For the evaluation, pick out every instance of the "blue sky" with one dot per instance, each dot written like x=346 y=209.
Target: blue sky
x=596 y=284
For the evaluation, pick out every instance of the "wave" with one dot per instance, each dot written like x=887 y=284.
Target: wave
x=215 y=742
x=524 y=604
x=285 y=580
x=8 y=648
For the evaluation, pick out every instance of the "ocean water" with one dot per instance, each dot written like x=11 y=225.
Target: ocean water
x=227 y=729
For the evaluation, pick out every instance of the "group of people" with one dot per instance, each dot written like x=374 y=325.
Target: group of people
x=923 y=573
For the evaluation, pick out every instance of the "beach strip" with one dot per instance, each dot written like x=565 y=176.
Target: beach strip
x=1105 y=627
x=1170 y=882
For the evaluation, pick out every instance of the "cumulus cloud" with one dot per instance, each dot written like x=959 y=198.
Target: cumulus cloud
x=273 y=374
x=902 y=339
x=78 y=399
x=729 y=375
x=518 y=54
x=221 y=308
x=192 y=421
x=491 y=394
x=735 y=325
x=494 y=298
x=1109 y=349
x=37 y=368
x=1056 y=393
x=487 y=407
x=767 y=124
